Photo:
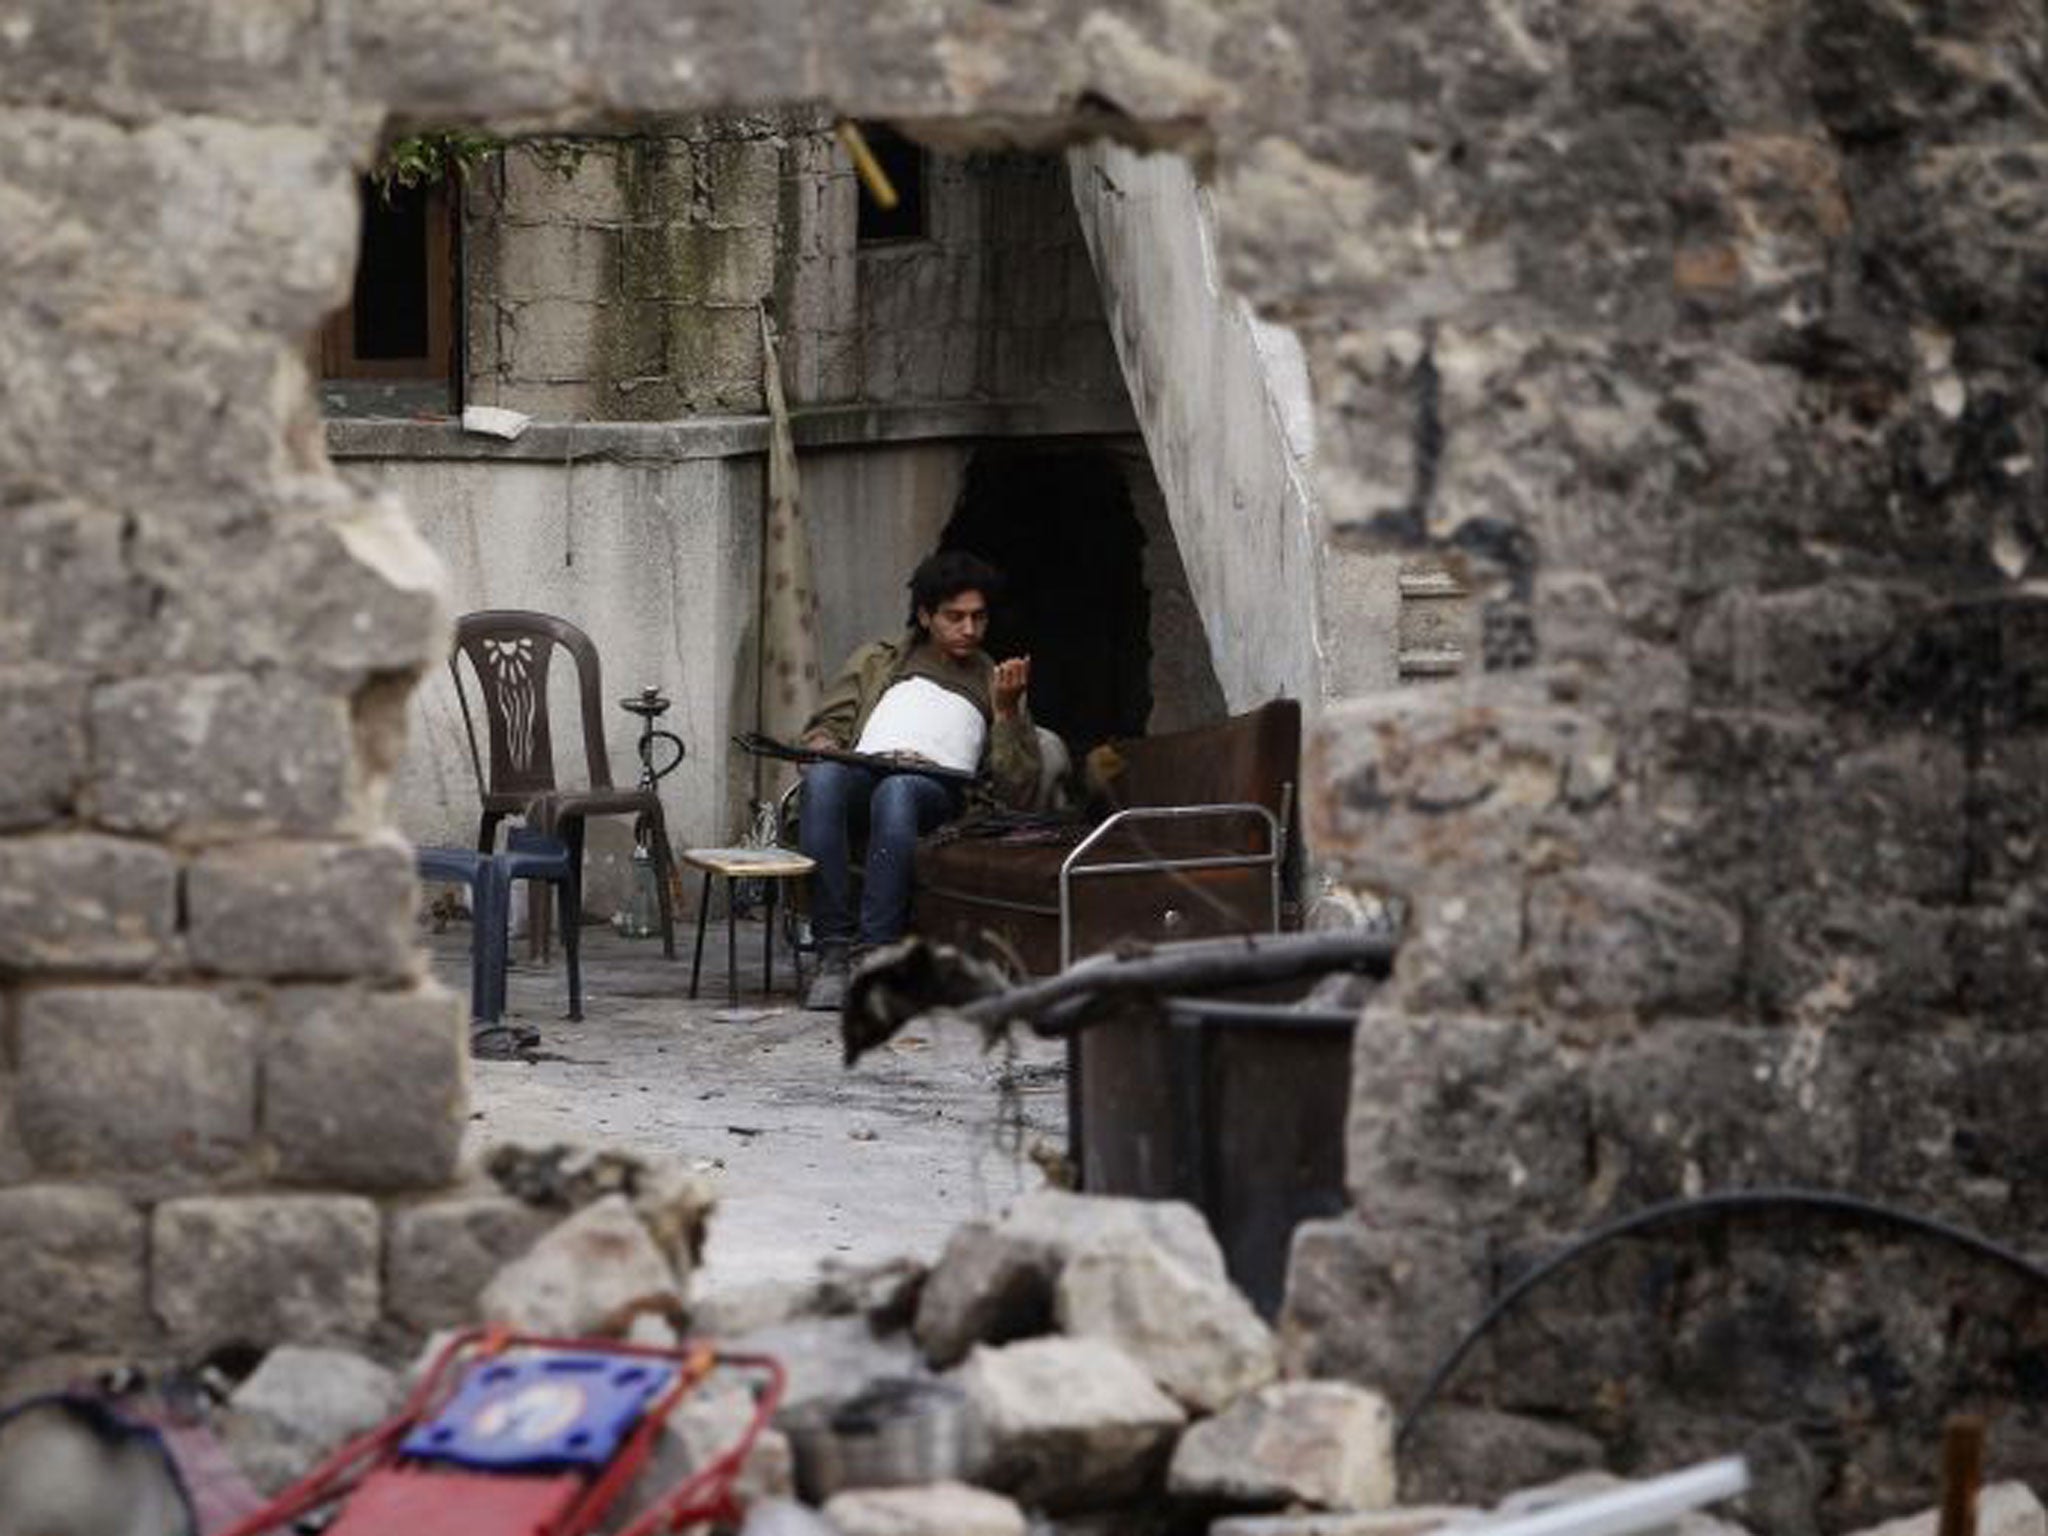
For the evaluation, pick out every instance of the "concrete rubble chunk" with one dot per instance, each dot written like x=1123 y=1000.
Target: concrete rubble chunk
x=995 y=1282
x=1068 y=1422
x=580 y=1274
x=439 y=1256
x=709 y=1421
x=299 y=1405
x=1197 y=1336
x=932 y=1509
x=1413 y=1520
x=1325 y=1443
x=2003 y=1509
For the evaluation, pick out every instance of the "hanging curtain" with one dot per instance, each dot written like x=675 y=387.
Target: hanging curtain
x=791 y=678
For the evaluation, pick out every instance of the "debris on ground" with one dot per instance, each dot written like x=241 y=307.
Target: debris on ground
x=1326 y=1444
x=579 y=1277
x=1078 y=1366
x=298 y=1405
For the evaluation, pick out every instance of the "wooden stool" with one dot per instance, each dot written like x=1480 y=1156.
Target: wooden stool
x=769 y=865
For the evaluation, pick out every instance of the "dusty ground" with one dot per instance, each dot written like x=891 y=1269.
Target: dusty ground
x=813 y=1160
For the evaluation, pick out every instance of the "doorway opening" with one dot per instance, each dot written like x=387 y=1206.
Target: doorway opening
x=1058 y=523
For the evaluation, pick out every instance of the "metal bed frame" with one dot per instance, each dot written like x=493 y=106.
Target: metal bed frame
x=1071 y=868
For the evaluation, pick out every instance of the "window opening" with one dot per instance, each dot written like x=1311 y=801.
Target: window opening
x=903 y=162
x=398 y=327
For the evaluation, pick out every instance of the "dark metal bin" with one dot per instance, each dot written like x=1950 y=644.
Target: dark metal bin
x=1234 y=1105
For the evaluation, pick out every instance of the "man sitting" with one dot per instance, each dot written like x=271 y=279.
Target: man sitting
x=933 y=696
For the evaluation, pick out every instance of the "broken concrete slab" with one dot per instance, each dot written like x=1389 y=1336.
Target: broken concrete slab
x=930 y=1509
x=1196 y=1335
x=2003 y=1509
x=580 y=1275
x=1068 y=1423
x=995 y=1282
x=1324 y=1443
x=299 y=1405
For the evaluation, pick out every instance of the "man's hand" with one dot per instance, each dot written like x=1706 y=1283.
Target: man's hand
x=1007 y=687
x=820 y=741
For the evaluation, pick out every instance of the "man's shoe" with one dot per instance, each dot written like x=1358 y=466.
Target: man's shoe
x=828 y=988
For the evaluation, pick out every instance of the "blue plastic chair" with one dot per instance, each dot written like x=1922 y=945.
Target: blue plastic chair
x=528 y=855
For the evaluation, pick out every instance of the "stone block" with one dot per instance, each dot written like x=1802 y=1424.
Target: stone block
x=73 y=1270
x=204 y=407
x=934 y=1509
x=555 y=181
x=985 y=1288
x=1069 y=1423
x=715 y=349
x=65 y=595
x=264 y=1269
x=466 y=59
x=553 y=340
x=1608 y=940
x=1326 y=1444
x=1198 y=1337
x=364 y=1089
x=218 y=756
x=580 y=1273
x=42 y=746
x=745 y=177
x=439 y=1256
x=154 y=1085
x=708 y=1422
x=76 y=901
x=272 y=250
x=304 y=909
x=557 y=261
x=301 y=1405
x=55 y=51
x=1457 y=1120
x=1459 y=1454
x=2003 y=1509
x=996 y=1282
x=224 y=55
x=1378 y=1307
x=829 y=1359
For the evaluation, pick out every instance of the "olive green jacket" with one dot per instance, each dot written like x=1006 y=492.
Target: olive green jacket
x=1009 y=760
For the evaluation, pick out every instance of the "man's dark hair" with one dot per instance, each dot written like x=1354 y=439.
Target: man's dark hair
x=947 y=574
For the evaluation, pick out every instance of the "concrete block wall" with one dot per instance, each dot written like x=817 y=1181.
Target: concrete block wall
x=618 y=278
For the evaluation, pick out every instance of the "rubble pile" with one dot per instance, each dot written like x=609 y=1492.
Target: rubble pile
x=1080 y=1367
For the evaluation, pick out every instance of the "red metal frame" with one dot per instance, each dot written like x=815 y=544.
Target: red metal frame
x=705 y=1494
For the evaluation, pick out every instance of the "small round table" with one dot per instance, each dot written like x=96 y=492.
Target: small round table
x=771 y=866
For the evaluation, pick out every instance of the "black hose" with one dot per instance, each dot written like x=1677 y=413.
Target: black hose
x=1739 y=1202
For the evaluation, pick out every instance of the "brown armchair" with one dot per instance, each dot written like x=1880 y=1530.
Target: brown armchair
x=509 y=650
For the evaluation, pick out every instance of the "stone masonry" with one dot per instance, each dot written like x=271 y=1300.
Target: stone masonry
x=1698 y=339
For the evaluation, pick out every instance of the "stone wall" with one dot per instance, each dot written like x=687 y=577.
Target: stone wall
x=1701 y=338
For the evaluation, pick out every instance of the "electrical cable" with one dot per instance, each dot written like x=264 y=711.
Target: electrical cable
x=1742 y=1202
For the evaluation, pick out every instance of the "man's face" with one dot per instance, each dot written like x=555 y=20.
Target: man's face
x=957 y=624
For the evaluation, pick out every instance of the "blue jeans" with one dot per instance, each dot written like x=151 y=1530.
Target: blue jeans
x=894 y=809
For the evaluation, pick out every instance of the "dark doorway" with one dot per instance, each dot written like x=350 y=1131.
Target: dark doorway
x=1058 y=523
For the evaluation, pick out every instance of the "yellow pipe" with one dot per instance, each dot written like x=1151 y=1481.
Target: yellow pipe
x=867 y=167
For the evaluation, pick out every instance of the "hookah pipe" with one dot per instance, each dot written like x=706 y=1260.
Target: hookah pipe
x=650 y=704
